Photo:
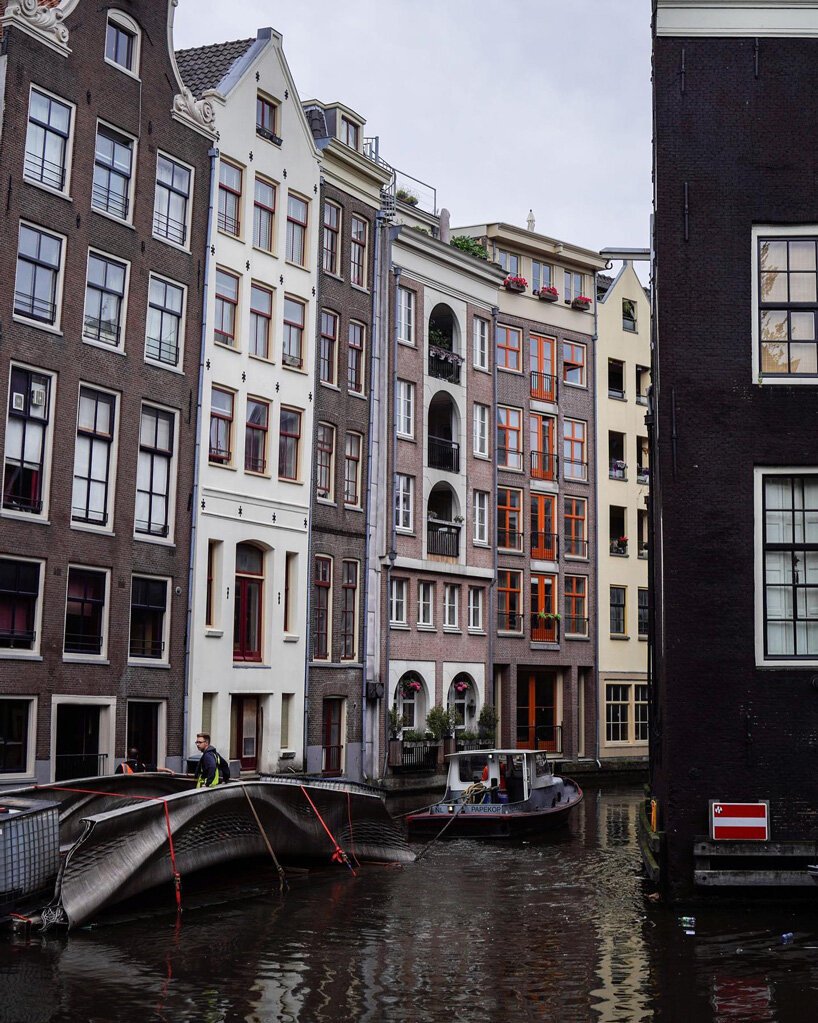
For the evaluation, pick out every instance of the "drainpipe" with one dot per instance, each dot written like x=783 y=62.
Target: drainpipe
x=596 y=503
x=492 y=601
x=390 y=510
x=213 y=153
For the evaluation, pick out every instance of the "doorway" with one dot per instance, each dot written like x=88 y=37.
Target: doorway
x=246 y=722
x=537 y=711
x=142 y=730
x=76 y=749
x=331 y=735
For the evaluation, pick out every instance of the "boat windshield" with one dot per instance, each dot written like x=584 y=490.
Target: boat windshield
x=485 y=766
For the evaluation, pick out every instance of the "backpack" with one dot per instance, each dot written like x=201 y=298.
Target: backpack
x=224 y=767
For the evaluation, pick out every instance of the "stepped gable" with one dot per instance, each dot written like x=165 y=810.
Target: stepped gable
x=203 y=67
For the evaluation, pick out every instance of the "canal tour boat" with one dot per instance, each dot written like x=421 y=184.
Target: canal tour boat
x=496 y=794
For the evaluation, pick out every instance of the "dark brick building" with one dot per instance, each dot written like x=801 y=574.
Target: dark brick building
x=735 y=461
x=104 y=156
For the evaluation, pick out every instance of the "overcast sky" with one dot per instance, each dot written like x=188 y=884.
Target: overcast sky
x=502 y=107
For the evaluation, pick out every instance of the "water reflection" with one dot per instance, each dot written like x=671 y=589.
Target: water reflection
x=554 y=929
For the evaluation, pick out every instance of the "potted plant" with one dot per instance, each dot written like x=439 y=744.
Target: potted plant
x=395 y=741
x=620 y=545
x=515 y=283
x=440 y=721
x=487 y=723
x=395 y=722
x=410 y=686
x=548 y=294
x=581 y=302
x=406 y=196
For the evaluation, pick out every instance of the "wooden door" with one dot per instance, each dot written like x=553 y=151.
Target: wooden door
x=246 y=733
x=332 y=746
x=536 y=711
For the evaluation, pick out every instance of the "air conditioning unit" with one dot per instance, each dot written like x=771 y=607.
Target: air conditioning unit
x=18 y=402
x=38 y=396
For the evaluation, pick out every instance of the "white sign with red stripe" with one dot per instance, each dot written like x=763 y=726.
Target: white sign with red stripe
x=743 y=822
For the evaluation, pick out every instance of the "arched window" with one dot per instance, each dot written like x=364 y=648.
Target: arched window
x=462 y=701
x=248 y=603
x=410 y=700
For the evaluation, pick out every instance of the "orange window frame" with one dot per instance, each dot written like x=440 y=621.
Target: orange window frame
x=575 y=516
x=509 y=596
x=509 y=342
x=574 y=438
x=542 y=351
x=509 y=518
x=543 y=513
x=509 y=427
x=573 y=361
x=576 y=598
x=541 y=443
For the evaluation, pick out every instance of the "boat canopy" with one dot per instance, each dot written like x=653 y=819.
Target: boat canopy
x=521 y=770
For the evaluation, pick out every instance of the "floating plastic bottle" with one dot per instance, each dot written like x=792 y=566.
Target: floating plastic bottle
x=787 y=938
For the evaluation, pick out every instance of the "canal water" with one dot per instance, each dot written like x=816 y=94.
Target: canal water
x=558 y=929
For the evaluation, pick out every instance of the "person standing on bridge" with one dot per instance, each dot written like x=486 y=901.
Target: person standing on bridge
x=209 y=770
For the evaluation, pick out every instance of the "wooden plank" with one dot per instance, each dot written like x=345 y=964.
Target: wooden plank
x=702 y=847
x=754 y=878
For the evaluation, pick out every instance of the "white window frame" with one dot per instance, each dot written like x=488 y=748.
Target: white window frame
x=119 y=347
x=451 y=607
x=164 y=660
x=131 y=178
x=102 y=656
x=31 y=738
x=481 y=430
x=404 y=503
x=426 y=604
x=329 y=496
x=48 y=444
x=69 y=143
x=398 y=609
x=180 y=358
x=16 y=653
x=108 y=526
x=161 y=154
x=406 y=316
x=480 y=343
x=121 y=20
x=406 y=409
x=480 y=518
x=56 y=326
x=476 y=606
x=172 y=477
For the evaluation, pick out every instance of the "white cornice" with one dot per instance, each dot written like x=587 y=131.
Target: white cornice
x=42 y=23
x=725 y=18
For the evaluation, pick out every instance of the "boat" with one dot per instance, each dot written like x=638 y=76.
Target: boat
x=498 y=793
x=121 y=835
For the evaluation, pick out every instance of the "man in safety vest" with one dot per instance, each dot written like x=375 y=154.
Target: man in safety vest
x=207 y=770
x=132 y=764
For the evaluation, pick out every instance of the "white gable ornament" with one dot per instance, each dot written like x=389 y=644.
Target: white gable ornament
x=44 y=23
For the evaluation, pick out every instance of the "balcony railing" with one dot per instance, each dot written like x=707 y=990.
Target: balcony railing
x=418 y=757
x=111 y=200
x=79 y=765
x=618 y=470
x=443 y=539
x=141 y=647
x=20 y=639
x=616 y=392
x=575 y=548
x=444 y=454
x=509 y=621
x=331 y=759
x=545 y=546
x=37 y=168
x=573 y=625
x=509 y=539
x=227 y=223
x=162 y=350
x=572 y=470
x=544 y=737
x=444 y=365
x=544 y=465
x=81 y=643
x=34 y=307
x=545 y=628
x=543 y=386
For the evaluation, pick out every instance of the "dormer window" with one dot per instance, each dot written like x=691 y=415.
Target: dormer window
x=267 y=119
x=509 y=261
x=350 y=133
x=122 y=42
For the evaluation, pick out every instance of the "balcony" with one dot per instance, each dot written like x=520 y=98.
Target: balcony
x=544 y=465
x=572 y=470
x=444 y=364
x=618 y=470
x=545 y=546
x=544 y=737
x=545 y=627
x=543 y=386
x=575 y=547
x=444 y=454
x=443 y=539
x=509 y=621
x=576 y=626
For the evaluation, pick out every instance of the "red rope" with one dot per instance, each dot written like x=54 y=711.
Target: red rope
x=177 y=879
x=338 y=854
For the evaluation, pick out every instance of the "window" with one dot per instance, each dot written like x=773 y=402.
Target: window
x=267 y=119
x=325 y=461
x=255 y=435
x=19 y=594
x=572 y=285
x=91 y=497
x=47 y=141
x=642 y=385
x=476 y=602
x=786 y=289
x=397 y=601
x=122 y=43
x=509 y=519
x=406 y=408
x=164 y=331
x=39 y=264
x=542 y=275
x=290 y=589
x=426 y=604
x=626 y=712
x=573 y=363
x=628 y=314
x=322 y=605
x=541 y=443
x=248 y=603
x=16 y=738
x=541 y=351
x=229 y=218
x=643 y=613
x=406 y=316
x=294 y=315
x=480 y=342
x=451 y=606
x=640 y=716
x=104 y=300
x=403 y=502
x=171 y=208
x=214 y=558
x=261 y=315
x=350 y=132
x=509 y=262
x=153 y=472
x=357 y=251
x=327 y=353
x=575 y=538
x=481 y=431
x=616 y=379
x=227 y=302
x=576 y=605
x=509 y=342
x=355 y=358
x=509 y=601
x=352 y=470
x=509 y=438
x=544 y=617
x=85 y=612
x=543 y=527
x=618 y=625
x=296 y=230
x=481 y=517
x=264 y=208
x=221 y=426
x=113 y=170
x=149 y=603
x=573 y=450
x=25 y=469
x=289 y=440
x=618 y=529
x=349 y=609
x=332 y=232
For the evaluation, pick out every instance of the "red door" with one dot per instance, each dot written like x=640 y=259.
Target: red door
x=332 y=746
x=536 y=712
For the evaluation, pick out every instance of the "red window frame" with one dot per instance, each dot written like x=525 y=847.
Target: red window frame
x=541 y=363
x=255 y=437
x=263 y=216
x=297 y=230
x=293 y=331
x=324 y=457
x=356 y=337
x=543 y=529
x=359 y=230
x=349 y=592
x=266 y=115
x=211 y=555
x=327 y=353
x=226 y=305
x=322 y=586
x=248 y=615
x=352 y=469
x=221 y=427
x=507 y=430
x=508 y=345
x=509 y=519
x=230 y=200
x=329 y=246
x=573 y=363
x=260 y=320
x=289 y=441
x=575 y=510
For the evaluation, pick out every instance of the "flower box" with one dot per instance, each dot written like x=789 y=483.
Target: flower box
x=515 y=283
x=548 y=295
x=581 y=302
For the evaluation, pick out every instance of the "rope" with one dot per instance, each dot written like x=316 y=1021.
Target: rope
x=177 y=879
x=440 y=834
x=282 y=879
x=338 y=854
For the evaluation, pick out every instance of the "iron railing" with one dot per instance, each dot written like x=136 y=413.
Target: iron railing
x=541 y=737
x=543 y=386
x=574 y=625
x=443 y=539
x=575 y=548
x=79 y=765
x=545 y=628
x=418 y=756
x=572 y=470
x=444 y=454
x=545 y=546
x=510 y=621
x=444 y=365
x=544 y=465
